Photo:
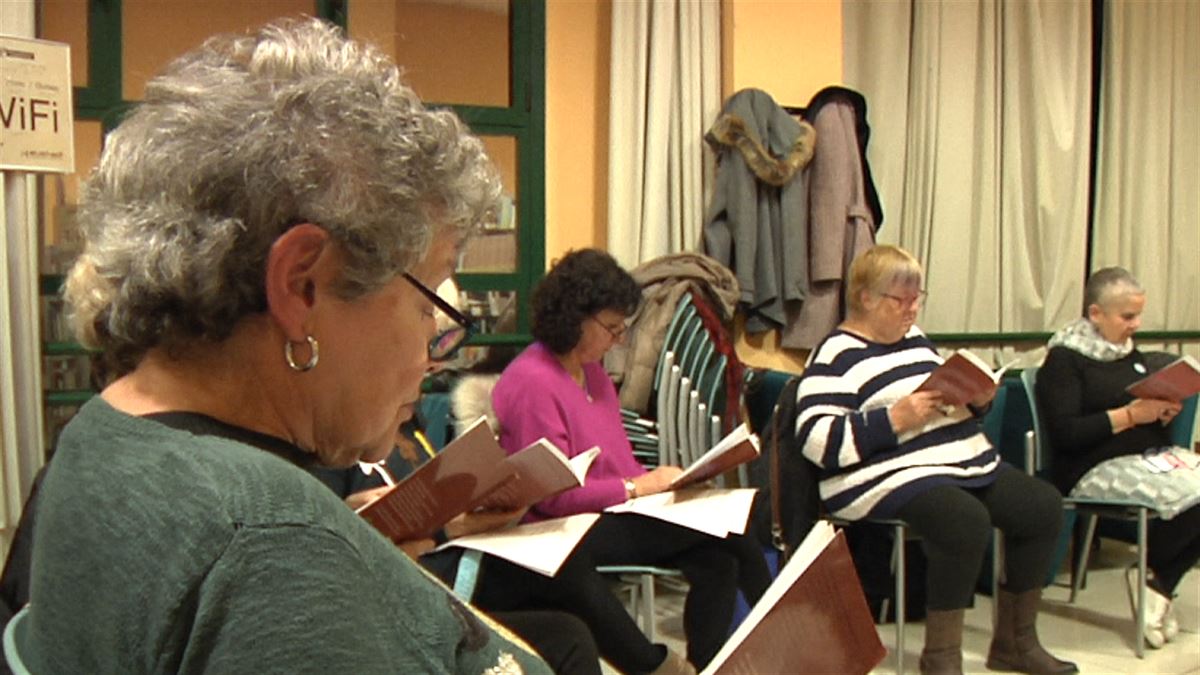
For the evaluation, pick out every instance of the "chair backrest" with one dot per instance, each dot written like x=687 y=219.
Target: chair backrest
x=16 y=642
x=1184 y=424
x=1041 y=448
x=993 y=422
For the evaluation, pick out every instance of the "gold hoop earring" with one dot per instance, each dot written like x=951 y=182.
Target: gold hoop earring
x=312 y=360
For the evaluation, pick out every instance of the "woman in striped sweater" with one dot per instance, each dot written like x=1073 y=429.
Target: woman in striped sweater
x=888 y=451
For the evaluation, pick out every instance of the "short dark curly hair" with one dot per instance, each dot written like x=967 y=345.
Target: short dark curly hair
x=579 y=285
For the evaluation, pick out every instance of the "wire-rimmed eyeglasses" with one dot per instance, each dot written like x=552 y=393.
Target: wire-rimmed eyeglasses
x=617 y=333
x=446 y=343
x=918 y=299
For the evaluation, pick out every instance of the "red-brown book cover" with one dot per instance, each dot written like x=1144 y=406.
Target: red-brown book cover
x=813 y=619
x=963 y=378
x=451 y=482
x=738 y=447
x=1173 y=382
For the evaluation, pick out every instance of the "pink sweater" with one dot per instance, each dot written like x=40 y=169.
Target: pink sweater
x=536 y=398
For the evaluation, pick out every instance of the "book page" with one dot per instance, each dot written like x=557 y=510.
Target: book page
x=713 y=511
x=738 y=447
x=542 y=546
x=542 y=471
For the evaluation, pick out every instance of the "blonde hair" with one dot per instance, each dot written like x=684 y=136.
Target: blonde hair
x=877 y=269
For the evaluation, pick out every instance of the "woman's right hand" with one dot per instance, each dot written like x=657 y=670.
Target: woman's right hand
x=1147 y=410
x=915 y=410
x=658 y=480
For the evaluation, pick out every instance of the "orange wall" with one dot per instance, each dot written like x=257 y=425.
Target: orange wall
x=577 y=64
x=789 y=48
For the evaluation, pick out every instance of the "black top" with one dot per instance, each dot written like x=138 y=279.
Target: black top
x=1074 y=393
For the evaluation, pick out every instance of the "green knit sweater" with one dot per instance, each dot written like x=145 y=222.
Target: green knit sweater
x=156 y=551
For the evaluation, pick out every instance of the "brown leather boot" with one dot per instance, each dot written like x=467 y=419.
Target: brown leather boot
x=1015 y=646
x=942 y=654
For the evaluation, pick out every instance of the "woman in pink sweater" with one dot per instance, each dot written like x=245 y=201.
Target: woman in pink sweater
x=557 y=389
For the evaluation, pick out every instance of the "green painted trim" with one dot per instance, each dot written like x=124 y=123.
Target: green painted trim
x=65 y=349
x=1043 y=337
x=336 y=12
x=501 y=339
x=104 y=54
x=531 y=58
x=476 y=281
x=69 y=397
x=491 y=120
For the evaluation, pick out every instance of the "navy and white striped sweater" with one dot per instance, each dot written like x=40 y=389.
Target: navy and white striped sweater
x=843 y=426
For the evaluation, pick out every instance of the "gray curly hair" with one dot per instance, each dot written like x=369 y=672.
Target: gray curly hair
x=238 y=141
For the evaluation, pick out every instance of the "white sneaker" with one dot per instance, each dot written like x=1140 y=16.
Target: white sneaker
x=1170 y=625
x=1157 y=608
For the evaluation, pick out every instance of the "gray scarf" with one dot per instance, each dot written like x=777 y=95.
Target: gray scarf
x=1081 y=336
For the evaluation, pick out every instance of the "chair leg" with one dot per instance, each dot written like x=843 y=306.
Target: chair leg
x=648 y=606
x=997 y=570
x=1081 y=570
x=901 y=601
x=1139 y=624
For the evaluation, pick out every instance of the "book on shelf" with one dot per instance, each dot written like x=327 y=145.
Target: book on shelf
x=738 y=447
x=963 y=378
x=542 y=470
x=457 y=479
x=1173 y=382
x=812 y=619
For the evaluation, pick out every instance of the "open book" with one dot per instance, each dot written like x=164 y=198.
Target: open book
x=542 y=471
x=1173 y=382
x=455 y=480
x=962 y=378
x=738 y=447
x=812 y=619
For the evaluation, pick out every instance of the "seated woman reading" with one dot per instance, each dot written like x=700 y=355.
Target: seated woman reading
x=259 y=236
x=557 y=389
x=887 y=450
x=1099 y=432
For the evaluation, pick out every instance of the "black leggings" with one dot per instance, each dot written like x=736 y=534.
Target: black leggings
x=955 y=525
x=561 y=639
x=715 y=569
x=1173 y=548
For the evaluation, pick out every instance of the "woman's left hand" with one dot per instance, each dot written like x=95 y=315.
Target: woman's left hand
x=985 y=397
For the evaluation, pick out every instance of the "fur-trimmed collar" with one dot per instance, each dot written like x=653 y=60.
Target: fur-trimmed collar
x=731 y=130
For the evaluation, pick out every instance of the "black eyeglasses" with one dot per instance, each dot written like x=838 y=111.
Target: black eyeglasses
x=445 y=344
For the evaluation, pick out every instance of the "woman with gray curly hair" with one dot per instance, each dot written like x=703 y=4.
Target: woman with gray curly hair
x=261 y=237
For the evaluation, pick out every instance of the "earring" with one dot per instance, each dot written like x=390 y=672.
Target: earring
x=312 y=360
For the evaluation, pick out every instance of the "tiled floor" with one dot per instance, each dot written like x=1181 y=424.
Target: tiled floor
x=1096 y=632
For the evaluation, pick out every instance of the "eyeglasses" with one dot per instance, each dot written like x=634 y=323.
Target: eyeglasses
x=918 y=299
x=617 y=333
x=445 y=344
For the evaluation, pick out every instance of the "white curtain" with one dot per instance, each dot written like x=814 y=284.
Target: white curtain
x=20 y=350
x=1147 y=215
x=980 y=122
x=665 y=90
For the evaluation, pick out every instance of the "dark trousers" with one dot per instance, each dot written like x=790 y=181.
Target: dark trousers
x=955 y=525
x=561 y=639
x=715 y=569
x=1173 y=548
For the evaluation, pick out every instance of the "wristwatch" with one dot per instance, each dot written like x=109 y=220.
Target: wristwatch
x=630 y=489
